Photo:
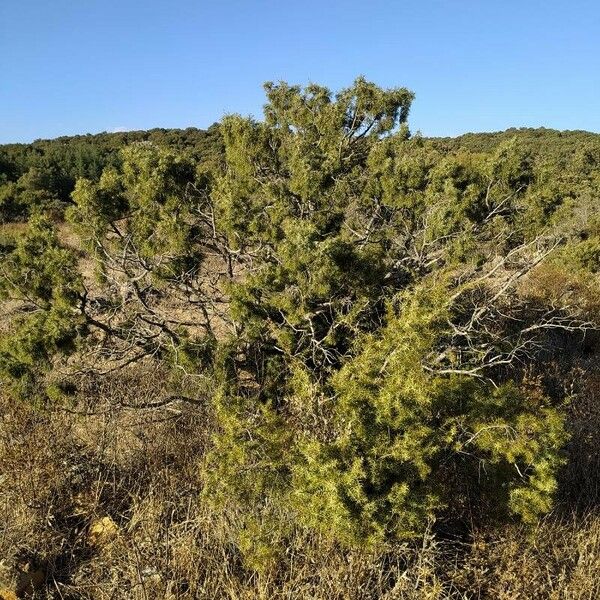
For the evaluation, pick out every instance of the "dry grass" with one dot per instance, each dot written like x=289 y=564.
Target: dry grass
x=108 y=506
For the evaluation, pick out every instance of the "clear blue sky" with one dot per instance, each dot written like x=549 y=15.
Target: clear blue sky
x=77 y=66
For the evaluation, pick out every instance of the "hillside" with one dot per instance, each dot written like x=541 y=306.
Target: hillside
x=65 y=159
x=549 y=143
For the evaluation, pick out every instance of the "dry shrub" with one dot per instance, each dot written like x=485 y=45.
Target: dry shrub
x=580 y=479
x=555 y=284
x=560 y=559
x=106 y=500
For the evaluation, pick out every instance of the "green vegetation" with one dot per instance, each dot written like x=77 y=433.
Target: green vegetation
x=386 y=335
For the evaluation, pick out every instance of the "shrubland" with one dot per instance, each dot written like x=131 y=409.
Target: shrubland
x=310 y=356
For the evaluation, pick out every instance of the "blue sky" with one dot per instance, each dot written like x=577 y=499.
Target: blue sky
x=77 y=66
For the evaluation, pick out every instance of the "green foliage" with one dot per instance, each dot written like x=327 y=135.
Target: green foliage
x=47 y=170
x=146 y=196
x=43 y=275
x=357 y=241
x=403 y=434
x=372 y=312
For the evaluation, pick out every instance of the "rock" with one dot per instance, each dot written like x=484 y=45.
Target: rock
x=102 y=531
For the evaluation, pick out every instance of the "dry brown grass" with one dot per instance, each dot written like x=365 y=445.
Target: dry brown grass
x=108 y=506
